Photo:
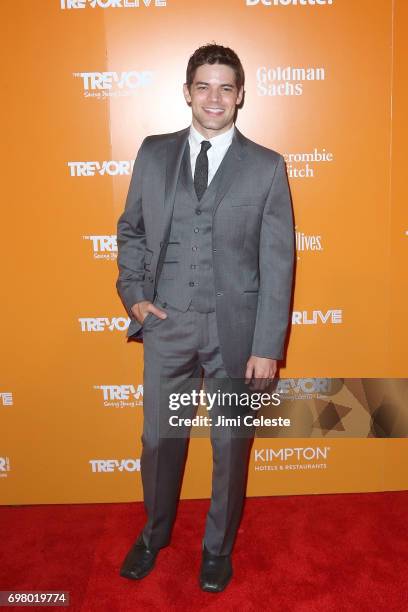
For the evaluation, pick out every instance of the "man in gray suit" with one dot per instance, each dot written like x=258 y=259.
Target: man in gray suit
x=205 y=256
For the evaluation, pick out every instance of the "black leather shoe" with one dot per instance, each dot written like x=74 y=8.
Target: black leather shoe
x=139 y=561
x=216 y=571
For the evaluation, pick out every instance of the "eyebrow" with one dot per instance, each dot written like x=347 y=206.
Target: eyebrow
x=222 y=84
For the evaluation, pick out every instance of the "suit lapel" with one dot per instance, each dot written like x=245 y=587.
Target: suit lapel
x=186 y=176
x=175 y=149
x=230 y=166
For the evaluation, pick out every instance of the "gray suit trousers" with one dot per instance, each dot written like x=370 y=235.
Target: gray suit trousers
x=176 y=350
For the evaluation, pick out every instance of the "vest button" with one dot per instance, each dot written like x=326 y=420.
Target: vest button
x=193 y=266
x=198 y=212
x=196 y=230
x=191 y=283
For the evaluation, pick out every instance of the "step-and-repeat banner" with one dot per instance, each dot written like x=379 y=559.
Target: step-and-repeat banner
x=84 y=82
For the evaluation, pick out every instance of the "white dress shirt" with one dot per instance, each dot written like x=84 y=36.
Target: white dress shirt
x=215 y=154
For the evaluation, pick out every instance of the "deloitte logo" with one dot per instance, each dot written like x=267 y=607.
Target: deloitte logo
x=121 y=396
x=105 y=168
x=113 y=84
x=115 y=465
x=286 y=81
x=103 y=247
x=104 y=4
x=101 y=324
x=289 y=2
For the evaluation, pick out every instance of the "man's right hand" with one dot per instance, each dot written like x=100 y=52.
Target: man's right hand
x=140 y=310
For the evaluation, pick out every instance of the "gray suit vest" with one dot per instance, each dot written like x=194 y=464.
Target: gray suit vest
x=187 y=278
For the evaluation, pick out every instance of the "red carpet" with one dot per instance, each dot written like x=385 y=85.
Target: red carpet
x=297 y=554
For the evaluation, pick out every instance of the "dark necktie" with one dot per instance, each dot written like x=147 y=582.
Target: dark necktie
x=201 y=170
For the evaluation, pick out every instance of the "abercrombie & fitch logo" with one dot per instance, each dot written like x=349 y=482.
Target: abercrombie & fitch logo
x=303 y=164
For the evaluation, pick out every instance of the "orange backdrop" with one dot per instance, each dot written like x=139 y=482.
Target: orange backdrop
x=85 y=81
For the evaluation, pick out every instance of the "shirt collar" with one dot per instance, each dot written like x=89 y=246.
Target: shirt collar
x=221 y=141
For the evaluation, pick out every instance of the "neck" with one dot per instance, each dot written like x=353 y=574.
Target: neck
x=208 y=133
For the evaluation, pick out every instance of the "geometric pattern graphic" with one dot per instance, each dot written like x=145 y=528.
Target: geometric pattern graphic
x=356 y=408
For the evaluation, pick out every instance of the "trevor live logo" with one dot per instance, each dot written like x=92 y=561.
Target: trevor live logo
x=332 y=316
x=106 y=4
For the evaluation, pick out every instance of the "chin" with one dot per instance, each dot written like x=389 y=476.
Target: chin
x=211 y=124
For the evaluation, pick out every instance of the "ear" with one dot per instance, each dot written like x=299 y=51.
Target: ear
x=240 y=95
x=186 y=93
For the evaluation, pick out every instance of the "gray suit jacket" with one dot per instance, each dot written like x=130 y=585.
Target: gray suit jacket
x=253 y=242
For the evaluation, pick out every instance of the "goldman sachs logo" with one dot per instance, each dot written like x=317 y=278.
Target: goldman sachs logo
x=286 y=81
x=289 y=2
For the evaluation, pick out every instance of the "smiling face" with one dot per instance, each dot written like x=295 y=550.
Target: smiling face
x=213 y=97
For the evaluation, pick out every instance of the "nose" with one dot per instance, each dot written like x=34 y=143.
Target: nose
x=214 y=94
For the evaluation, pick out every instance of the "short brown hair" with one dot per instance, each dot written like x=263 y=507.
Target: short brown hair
x=215 y=54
